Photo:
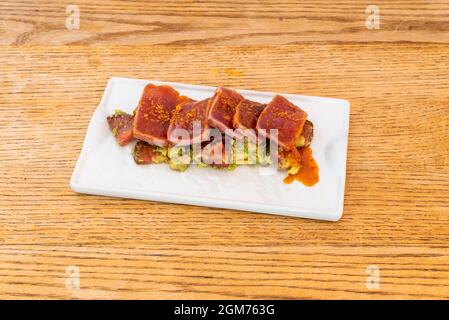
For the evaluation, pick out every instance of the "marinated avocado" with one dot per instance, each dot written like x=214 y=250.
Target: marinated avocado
x=144 y=153
x=180 y=158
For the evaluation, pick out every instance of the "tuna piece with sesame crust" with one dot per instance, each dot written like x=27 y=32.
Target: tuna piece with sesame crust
x=153 y=114
x=246 y=114
x=284 y=116
x=186 y=117
x=121 y=125
x=222 y=108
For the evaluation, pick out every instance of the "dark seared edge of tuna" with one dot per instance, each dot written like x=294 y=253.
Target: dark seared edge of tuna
x=305 y=139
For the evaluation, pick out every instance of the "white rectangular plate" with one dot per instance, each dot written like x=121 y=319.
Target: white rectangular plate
x=104 y=168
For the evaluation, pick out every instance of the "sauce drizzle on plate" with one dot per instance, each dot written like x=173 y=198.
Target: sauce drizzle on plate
x=308 y=174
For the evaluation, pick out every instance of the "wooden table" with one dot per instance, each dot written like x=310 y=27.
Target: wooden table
x=396 y=220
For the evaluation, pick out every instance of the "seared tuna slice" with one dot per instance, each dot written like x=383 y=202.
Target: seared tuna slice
x=121 y=125
x=284 y=116
x=144 y=153
x=246 y=114
x=222 y=108
x=185 y=117
x=245 y=118
x=154 y=112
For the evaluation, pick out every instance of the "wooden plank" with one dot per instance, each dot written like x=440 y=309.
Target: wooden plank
x=224 y=272
x=235 y=22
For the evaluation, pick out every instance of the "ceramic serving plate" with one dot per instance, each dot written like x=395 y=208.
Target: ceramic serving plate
x=105 y=168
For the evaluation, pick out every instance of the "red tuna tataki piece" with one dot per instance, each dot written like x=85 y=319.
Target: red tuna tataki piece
x=245 y=118
x=153 y=114
x=222 y=108
x=284 y=116
x=247 y=113
x=184 y=117
x=121 y=125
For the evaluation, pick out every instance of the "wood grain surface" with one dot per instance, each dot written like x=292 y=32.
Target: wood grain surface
x=397 y=194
